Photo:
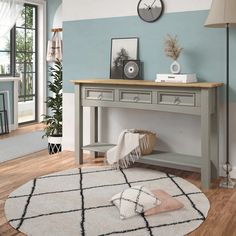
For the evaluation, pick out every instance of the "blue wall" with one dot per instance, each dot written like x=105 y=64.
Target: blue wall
x=87 y=47
x=52 y=6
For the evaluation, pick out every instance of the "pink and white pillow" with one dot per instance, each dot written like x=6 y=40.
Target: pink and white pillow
x=134 y=200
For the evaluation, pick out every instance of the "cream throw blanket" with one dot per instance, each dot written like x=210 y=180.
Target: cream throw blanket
x=127 y=149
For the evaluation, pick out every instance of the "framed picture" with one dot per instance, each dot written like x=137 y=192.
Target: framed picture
x=122 y=49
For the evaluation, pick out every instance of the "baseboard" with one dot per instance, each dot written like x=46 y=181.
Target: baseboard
x=67 y=146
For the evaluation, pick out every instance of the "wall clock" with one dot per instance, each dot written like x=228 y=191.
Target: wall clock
x=150 y=10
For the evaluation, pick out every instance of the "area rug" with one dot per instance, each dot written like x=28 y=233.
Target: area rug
x=76 y=202
x=21 y=145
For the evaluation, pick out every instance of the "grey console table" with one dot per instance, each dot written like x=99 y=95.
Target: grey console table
x=200 y=99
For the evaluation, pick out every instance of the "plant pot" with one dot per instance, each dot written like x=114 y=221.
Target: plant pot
x=175 y=68
x=54 y=144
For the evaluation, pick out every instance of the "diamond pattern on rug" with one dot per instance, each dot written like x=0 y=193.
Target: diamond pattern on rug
x=76 y=202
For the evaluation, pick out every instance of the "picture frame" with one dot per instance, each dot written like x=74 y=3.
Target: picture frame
x=122 y=49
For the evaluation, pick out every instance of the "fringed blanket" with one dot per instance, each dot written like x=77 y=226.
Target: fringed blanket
x=128 y=149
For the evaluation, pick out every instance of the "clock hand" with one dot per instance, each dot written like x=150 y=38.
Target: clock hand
x=153 y=3
x=148 y=7
x=152 y=14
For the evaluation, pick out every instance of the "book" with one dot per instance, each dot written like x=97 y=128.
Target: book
x=176 y=78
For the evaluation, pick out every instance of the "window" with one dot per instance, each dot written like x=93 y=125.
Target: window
x=5 y=55
x=18 y=56
x=25 y=52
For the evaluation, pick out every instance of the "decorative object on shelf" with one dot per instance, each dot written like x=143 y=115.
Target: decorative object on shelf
x=147 y=143
x=122 y=49
x=131 y=69
x=175 y=67
x=150 y=10
x=53 y=120
x=173 y=50
x=176 y=78
x=131 y=145
x=222 y=15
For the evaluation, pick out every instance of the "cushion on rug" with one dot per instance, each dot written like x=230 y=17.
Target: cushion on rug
x=168 y=203
x=134 y=200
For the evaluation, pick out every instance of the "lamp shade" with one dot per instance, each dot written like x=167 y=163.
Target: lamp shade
x=222 y=12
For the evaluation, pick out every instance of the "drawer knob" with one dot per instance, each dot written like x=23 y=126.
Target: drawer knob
x=177 y=100
x=136 y=99
x=100 y=96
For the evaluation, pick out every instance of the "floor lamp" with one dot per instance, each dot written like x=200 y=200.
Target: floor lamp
x=223 y=15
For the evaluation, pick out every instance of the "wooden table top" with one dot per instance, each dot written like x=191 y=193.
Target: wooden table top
x=147 y=83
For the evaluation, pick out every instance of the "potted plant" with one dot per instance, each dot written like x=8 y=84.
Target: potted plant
x=53 y=120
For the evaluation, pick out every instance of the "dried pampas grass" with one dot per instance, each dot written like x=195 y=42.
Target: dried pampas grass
x=172 y=48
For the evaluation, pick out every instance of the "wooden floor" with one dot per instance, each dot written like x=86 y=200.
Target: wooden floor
x=220 y=221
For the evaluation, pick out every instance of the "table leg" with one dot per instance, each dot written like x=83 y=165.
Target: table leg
x=205 y=138
x=78 y=126
x=215 y=139
x=94 y=127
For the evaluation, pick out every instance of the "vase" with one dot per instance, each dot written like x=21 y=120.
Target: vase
x=175 y=68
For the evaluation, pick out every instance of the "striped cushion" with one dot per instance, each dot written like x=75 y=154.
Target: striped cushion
x=134 y=200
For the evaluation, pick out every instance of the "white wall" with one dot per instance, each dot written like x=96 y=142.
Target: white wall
x=92 y=9
x=41 y=60
x=69 y=123
x=57 y=21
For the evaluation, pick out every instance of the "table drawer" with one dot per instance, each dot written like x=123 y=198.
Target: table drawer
x=135 y=96
x=178 y=99
x=99 y=94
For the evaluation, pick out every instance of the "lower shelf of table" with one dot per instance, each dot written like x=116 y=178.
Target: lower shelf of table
x=155 y=158
x=163 y=158
x=98 y=147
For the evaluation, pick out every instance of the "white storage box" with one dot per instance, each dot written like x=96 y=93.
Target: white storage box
x=176 y=78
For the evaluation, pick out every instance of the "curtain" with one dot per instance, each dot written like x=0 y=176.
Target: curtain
x=9 y=11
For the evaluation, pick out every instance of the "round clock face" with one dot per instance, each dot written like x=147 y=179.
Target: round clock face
x=150 y=10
